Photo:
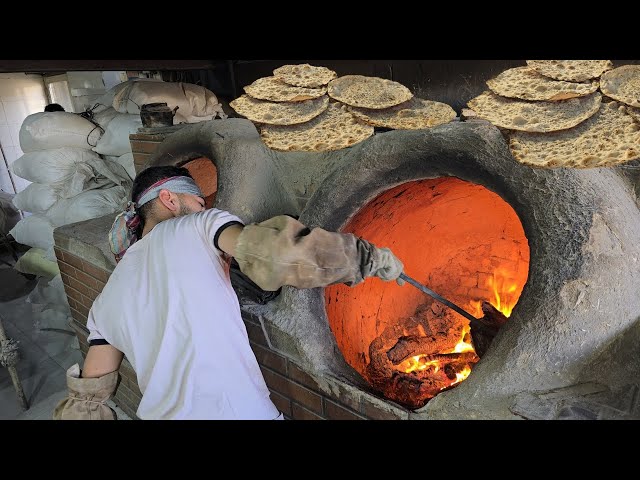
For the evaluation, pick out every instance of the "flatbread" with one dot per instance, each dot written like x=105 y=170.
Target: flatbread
x=622 y=84
x=333 y=129
x=368 y=92
x=571 y=70
x=634 y=112
x=534 y=116
x=279 y=113
x=410 y=115
x=610 y=137
x=275 y=90
x=527 y=84
x=305 y=75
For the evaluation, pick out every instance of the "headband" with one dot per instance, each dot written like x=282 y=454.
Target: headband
x=123 y=231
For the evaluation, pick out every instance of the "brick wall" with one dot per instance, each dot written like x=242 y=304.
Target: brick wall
x=142 y=146
x=294 y=391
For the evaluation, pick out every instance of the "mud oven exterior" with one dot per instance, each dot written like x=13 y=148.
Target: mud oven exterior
x=554 y=250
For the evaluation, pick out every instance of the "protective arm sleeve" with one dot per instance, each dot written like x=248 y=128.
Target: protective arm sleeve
x=282 y=251
x=87 y=397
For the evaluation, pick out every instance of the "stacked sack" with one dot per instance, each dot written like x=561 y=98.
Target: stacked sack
x=121 y=106
x=70 y=182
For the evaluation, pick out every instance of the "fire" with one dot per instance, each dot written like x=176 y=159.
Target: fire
x=501 y=287
x=460 y=376
x=419 y=362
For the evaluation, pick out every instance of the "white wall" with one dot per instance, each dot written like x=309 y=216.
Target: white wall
x=20 y=96
x=86 y=88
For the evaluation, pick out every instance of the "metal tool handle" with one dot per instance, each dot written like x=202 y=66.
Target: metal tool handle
x=474 y=321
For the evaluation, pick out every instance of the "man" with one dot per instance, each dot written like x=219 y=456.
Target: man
x=170 y=308
x=54 y=107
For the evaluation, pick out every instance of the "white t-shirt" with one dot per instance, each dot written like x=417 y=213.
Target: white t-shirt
x=170 y=308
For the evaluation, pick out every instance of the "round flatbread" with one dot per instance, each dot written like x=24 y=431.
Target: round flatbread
x=410 y=115
x=534 y=116
x=610 y=137
x=368 y=92
x=571 y=70
x=527 y=84
x=333 y=129
x=622 y=84
x=305 y=75
x=634 y=112
x=275 y=90
x=279 y=113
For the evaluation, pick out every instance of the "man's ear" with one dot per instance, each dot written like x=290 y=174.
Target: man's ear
x=169 y=200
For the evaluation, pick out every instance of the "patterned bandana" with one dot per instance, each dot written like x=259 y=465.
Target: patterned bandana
x=123 y=231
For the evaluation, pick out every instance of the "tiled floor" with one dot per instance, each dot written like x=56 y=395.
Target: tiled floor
x=47 y=348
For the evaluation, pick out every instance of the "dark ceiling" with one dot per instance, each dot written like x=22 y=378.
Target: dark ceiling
x=44 y=66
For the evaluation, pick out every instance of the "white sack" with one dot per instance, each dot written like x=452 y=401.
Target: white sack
x=35 y=230
x=36 y=198
x=86 y=205
x=48 y=130
x=192 y=100
x=115 y=141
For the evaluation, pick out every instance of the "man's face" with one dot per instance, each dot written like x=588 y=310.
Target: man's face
x=190 y=204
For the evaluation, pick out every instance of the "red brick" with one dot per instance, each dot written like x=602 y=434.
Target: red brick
x=256 y=334
x=270 y=359
x=337 y=412
x=86 y=280
x=59 y=253
x=301 y=413
x=95 y=272
x=139 y=159
x=138 y=146
x=83 y=310
x=282 y=403
x=92 y=294
x=147 y=137
x=77 y=285
x=295 y=392
x=300 y=376
x=73 y=260
x=65 y=278
x=78 y=316
x=67 y=269
x=73 y=294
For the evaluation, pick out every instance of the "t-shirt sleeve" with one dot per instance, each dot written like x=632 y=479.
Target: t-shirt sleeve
x=95 y=337
x=213 y=222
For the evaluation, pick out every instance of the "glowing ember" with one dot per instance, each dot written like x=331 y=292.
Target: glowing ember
x=418 y=363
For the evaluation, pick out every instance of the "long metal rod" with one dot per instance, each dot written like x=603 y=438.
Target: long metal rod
x=475 y=321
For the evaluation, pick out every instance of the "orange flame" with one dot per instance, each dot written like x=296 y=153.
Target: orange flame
x=419 y=362
x=501 y=287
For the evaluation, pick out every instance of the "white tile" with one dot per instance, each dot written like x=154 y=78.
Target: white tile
x=5 y=180
x=3 y=117
x=14 y=129
x=16 y=111
x=11 y=153
x=6 y=140
x=19 y=88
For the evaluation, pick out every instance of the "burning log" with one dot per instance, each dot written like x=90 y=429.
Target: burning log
x=408 y=346
x=482 y=338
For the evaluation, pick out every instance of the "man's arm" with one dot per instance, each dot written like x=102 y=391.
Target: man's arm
x=101 y=359
x=89 y=393
x=228 y=239
x=282 y=251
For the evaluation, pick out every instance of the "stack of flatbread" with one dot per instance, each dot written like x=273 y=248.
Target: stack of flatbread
x=308 y=108
x=566 y=113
